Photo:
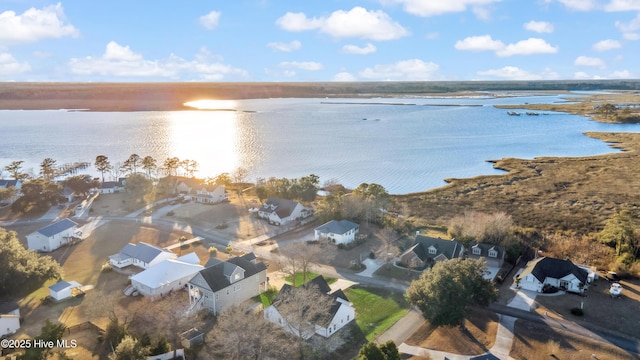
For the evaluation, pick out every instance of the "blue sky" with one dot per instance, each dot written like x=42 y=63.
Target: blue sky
x=329 y=40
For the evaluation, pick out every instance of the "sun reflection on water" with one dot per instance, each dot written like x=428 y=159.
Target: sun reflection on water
x=210 y=138
x=207 y=104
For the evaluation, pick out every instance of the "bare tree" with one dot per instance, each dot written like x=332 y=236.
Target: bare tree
x=300 y=257
x=389 y=248
x=240 y=335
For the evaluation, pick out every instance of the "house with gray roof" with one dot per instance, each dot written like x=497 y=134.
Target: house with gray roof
x=227 y=283
x=551 y=272
x=426 y=251
x=339 y=313
x=339 y=232
x=492 y=254
x=9 y=318
x=282 y=211
x=62 y=232
x=142 y=255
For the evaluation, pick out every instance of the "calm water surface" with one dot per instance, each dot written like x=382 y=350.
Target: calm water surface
x=405 y=148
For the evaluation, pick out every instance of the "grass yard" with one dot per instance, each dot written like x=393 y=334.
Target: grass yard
x=376 y=309
x=310 y=276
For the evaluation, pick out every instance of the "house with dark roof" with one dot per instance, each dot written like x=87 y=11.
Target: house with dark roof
x=551 y=272
x=227 y=283
x=340 y=312
x=340 y=232
x=208 y=194
x=53 y=236
x=9 y=318
x=492 y=254
x=282 y=211
x=142 y=255
x=426 y=251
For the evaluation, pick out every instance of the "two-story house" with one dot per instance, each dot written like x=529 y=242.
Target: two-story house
x=340 y=232
x=53 y=236
x=209 y=194
x=282 y=211
x=227 y=283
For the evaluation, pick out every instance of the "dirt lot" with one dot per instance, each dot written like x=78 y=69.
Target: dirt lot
x=599 y=308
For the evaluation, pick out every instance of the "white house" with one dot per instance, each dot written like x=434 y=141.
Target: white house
x=558 y=273
x=227 y=283
x=142 y=255
x=108 y=187
x=282 y=211
x=53 y=236
x=9 y=318
x=209 y=194
x=167 y=276
x=340 y=232
x=340 y=313
x=63 y=289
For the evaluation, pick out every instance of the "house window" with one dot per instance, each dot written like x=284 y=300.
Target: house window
x=476 y=251
x=217 y=296
x=493 y=253
x=432 y=250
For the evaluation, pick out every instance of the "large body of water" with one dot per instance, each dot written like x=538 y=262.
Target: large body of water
x=405 y=148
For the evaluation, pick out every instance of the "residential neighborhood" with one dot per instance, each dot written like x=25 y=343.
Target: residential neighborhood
x=202 y=251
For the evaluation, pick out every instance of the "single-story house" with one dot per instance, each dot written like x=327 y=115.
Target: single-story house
x=53 y=236
x=107 y=187
x=208 y=194
x=227 y=283
x=167 y=276
x=282 y=211
x=551 y=272
x=426 y=251
x=9 y=318
x=63 y=289
x=142 y=255
x=340 y=312
x=340 y=232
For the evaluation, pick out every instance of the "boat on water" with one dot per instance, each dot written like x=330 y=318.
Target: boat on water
x=513 y=113
x=532 y=113
x=615 y=290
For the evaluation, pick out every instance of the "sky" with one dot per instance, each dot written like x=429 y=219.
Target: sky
x=318 y=40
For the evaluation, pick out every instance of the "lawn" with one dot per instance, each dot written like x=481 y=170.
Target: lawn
x=376 y=309
x=310 y=276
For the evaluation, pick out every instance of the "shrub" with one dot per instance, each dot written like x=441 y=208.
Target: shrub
x=577 y=311
x=229 y=249
x=372 y=255
x=170 y=213
x=212 y=250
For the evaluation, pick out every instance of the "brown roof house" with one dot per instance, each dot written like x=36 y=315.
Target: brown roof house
x=227 y=283
x=426 y=251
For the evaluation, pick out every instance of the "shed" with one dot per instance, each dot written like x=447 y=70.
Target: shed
x=191 y=338
x=62 y=289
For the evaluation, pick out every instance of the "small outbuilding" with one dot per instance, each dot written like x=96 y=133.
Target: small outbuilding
x=191 y=338
x=63 y=289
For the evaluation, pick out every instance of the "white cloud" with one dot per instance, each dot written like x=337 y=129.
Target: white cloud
x=302 y=65
x=285 y=47
x=479 y=43
x=10 y=66
x=515 y=73
x=581 y=75
x=344 y=76
x=589 y=61
x=121 y=61
x=623 y=5
x=528 y=47
x=579 y=5
x=630 y=30
x=34 y=24
x=606 y=45
x=357 y=22
x=353 y=49
x=211 y=20
x=427 y=8
x=413 y=69
x=622 y=74
x=487 y=43
x=539 y=26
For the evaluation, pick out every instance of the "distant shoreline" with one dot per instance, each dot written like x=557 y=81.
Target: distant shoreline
x=126 y=97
